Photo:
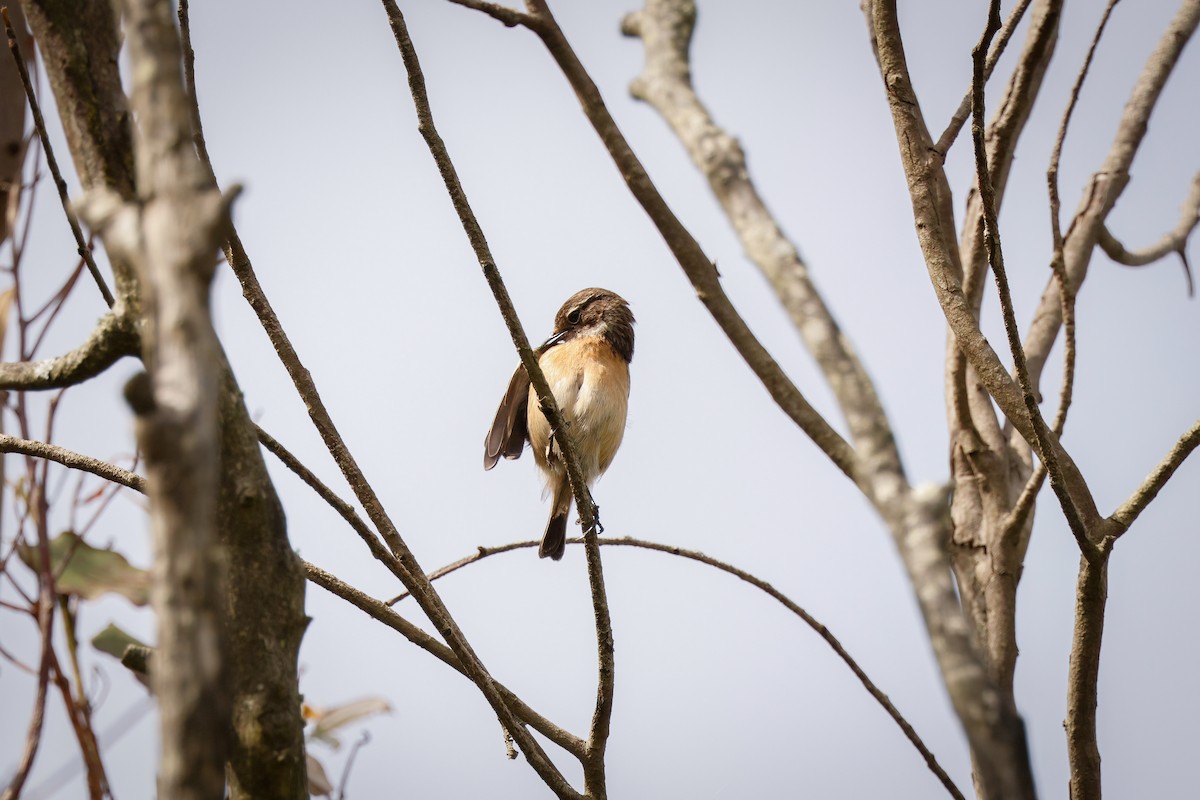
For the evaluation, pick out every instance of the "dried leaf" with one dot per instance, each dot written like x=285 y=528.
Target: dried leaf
x=318 y=781
x=90 y=571
x=328 y=720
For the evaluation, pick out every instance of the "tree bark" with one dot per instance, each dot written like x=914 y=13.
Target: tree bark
x=263 y=607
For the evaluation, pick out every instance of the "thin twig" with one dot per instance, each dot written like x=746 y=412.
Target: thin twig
x=339 y=505
x=1174 y=241
x=758 y=583
x=33 y=737
x=380 y=612
x=68 y=458
x=85 y=252
x=583 y=499
x=510 y=17
x=1128 y=511
x=946 y=140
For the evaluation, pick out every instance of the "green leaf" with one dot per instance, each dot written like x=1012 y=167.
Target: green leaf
x=328 y=720
x=113 y=640
x=90 y=571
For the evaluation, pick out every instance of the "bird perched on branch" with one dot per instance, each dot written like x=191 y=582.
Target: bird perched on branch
x=586 y=364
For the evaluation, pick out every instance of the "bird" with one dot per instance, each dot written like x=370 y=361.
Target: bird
x=586 y=363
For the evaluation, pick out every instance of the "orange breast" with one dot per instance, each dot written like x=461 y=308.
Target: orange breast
x=590 y=382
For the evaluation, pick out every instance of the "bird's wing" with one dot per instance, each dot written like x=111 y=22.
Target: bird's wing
x=509 y=430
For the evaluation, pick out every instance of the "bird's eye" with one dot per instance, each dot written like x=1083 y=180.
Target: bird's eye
x=573 y=317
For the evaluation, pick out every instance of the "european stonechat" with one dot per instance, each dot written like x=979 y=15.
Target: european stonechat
x=586 y=363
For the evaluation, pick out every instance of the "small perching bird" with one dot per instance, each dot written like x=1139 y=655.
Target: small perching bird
x=586 y=364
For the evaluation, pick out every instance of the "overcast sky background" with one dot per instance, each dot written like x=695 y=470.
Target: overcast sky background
x=720 y=691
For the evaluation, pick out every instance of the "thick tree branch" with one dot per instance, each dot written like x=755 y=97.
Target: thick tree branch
x=171 y=234
x=665 y=28
x=73 y=460
x=991 y=722
x=114 y=337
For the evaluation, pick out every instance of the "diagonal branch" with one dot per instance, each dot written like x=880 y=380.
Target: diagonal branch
x=381 y=612
x=1128 y=511
x=699 y=269
x=73 y=460
x=39 y=122
x=665 y=28
x=593 y=763
x=954 y=127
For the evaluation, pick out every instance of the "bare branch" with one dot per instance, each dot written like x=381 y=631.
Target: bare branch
x=758 y=583
x=1174 y=241
x=379 y=611
x=1083 y=677
x=1058 y=259
x=700 y=269
x=509 y=16
x=339 y=505
x=988 y=716
x=1128 y=511
x=81 y=44
x=114 y=337
x=45 y=619
x=1043 y=436
x=85 y=252
x=593 y=763
x=946 y=140
x=665 y=28
x=68 y=458
x=1109 y=182
x=172 y=235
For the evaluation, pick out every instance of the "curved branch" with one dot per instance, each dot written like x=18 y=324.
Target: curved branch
x=73 y=460
x=1109 y=182
x=665 y=28
x=379 y=611
x=758 y=583
x=1174 y=241
x=1137 y=502
x=113 y=338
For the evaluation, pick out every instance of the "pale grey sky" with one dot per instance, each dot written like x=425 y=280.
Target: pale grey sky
x=720 y=692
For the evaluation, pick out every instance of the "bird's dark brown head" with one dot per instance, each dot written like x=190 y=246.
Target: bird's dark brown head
x=597 y=312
